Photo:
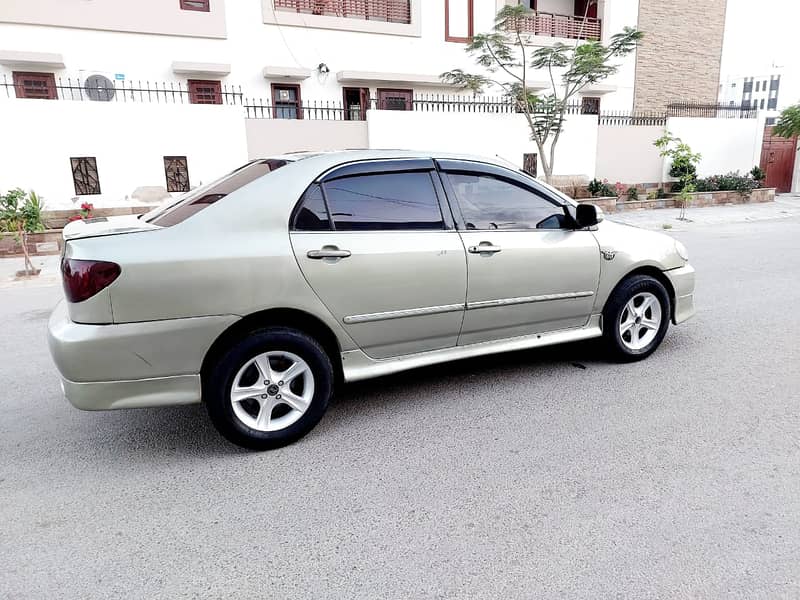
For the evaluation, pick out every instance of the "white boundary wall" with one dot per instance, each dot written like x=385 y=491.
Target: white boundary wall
x=725 y=144
x=128 y=140
x=504 y=135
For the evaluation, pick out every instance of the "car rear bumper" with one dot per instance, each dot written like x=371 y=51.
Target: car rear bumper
x=682 y=280
x=154 y=363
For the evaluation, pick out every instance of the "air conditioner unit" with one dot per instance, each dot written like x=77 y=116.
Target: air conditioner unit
x=99 y=88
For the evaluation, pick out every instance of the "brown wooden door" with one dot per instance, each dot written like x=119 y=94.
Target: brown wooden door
x=777 y=159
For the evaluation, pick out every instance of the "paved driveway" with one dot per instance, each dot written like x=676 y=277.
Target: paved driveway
x=530 y=475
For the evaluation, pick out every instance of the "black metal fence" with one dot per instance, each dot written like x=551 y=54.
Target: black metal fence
x=710 y=111
x=624 y=119
x=129 y=91
x=102 y=89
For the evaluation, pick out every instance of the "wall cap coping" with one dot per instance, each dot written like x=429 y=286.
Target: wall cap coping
x=391 y=79
x=290 y=73
x=200 y=68
x=37 y=60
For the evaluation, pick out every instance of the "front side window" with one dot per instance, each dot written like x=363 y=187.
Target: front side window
x=490 y=203
x=386 y=201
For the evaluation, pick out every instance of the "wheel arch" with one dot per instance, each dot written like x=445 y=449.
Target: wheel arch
x=279 y=317
x=656 y=274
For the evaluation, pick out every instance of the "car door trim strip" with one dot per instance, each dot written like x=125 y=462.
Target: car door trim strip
x=526 y=300
x=400 y=314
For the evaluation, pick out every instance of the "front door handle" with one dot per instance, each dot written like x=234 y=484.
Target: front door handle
x=484 y=248
x=328 y=252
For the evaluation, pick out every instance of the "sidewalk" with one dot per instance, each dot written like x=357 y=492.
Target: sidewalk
x=48 y=264
x=785 y=206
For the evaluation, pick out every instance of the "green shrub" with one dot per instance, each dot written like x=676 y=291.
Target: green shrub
x=731 y=182
x=599 y=188
x=758 y=174
x=633 y=193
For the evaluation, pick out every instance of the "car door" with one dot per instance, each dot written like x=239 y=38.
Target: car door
x=528 y=270
x=375 y=244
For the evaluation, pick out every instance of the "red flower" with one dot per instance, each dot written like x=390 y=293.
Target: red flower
x=87 y=206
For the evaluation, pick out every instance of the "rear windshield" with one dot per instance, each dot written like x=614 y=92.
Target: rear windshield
x=193 y=202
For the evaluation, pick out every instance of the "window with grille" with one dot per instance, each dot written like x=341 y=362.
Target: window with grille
x=395 y=99
x=84 y=175
x=590 y=105
x=201 y=5
x=35 y=85
x=176 y=169
x=287 y=102
x=205 y=92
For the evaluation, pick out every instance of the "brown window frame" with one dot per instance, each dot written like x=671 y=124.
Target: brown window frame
x=174 y=183
x=204 y=5
x=298 y=103
x=364 y=102
x=86 y=166
x=20 y=89
x=382 y=91
x=194 y=94
x=470 y=23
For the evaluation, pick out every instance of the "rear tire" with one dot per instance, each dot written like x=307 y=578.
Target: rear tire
x=636 y=318
x=269 y=389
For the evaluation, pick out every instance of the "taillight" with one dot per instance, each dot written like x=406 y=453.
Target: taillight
x=84 y=278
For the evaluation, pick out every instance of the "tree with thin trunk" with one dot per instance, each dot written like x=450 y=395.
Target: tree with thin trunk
x=788 y=125
x=21 y=214
x=509 y=62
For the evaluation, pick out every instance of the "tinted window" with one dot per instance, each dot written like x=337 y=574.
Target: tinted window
x=312 y=214
x=490 y=203
x=385 y=201
x=203 y=197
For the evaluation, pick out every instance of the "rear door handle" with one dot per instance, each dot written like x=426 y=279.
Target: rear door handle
x=484 y=248
x=328 y=252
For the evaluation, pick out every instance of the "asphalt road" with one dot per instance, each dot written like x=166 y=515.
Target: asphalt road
x=519 y=476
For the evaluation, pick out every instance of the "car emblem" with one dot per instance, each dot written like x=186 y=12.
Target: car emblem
x=608 y=254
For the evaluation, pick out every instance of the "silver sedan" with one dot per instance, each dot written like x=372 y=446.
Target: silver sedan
x=262 y=292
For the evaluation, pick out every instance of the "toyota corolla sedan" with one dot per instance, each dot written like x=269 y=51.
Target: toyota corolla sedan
x=262 y=292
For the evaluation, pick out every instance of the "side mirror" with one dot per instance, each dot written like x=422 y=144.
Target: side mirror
x=588 y=215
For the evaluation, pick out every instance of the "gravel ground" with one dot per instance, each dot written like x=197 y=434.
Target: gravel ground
x=528 y=475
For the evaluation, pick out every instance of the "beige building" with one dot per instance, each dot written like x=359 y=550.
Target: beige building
x=679 y=58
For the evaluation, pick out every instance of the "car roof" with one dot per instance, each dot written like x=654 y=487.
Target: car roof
x=334 y=157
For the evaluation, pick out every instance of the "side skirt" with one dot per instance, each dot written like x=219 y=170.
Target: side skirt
x=358 y=366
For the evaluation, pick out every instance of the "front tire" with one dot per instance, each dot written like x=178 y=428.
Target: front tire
x=636 y=318
x=269 y=389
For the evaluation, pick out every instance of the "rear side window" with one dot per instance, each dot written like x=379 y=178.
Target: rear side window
x=203 y=197
x=386 y=201
x=490 y=203
x=312 y=214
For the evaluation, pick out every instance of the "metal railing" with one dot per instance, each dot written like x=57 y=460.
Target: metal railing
x=331 y=110
x=710 y=111
x=624 y=119
x=128 y=91
x=553 y=25
x=390 y=11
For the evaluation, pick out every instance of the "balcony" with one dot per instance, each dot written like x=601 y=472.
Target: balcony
x=386 y=11
x=562 y=26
